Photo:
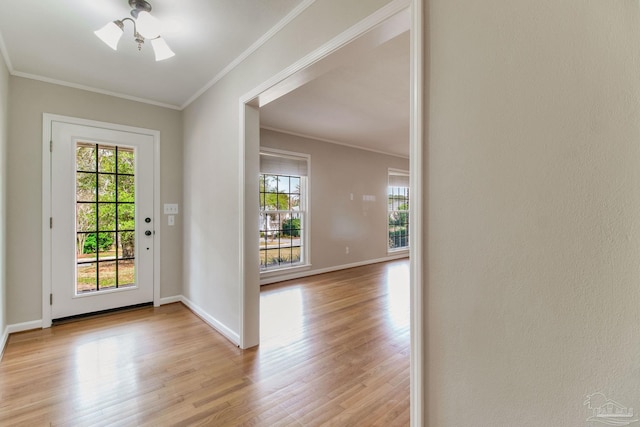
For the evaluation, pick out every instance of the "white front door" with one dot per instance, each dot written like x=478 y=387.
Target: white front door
x=102 y=219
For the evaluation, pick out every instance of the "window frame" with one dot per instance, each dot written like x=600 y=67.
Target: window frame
x=404 y=173
x=305 y=213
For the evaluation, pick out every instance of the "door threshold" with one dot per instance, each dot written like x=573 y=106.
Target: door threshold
x=77 y=317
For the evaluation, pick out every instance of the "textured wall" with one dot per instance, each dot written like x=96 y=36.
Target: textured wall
x=29 y=99
x=533 y=287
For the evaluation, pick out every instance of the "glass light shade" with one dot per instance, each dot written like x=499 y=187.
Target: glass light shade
x=161 y=49
x=147 y=25
x=110 y=34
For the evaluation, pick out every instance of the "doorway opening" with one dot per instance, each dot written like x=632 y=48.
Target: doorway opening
x=385 y=20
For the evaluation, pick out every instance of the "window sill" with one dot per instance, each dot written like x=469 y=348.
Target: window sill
x=398 y=251
x=284 y=271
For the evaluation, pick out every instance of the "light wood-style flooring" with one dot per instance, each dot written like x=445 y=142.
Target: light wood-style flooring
x=334 y=351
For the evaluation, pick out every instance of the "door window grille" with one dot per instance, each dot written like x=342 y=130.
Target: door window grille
x=105 y=217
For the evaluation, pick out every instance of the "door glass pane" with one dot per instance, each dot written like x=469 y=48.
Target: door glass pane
x=87 y=278
x=105 y=228
x=85 y=216
x=106 y=187
x=126 y=188
x=107 y=216
x=86 y=247
x=86 y=157
x=106 y=159
x=126 y=164
x=126 y=245
x=126 y=273
x=85 y=187
x=126 y=216
x=107 y=275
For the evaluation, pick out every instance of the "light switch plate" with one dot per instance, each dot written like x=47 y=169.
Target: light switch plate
x=170 y=208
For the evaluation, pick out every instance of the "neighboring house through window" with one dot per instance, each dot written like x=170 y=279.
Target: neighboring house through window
x=398 y=210
x=283 y=210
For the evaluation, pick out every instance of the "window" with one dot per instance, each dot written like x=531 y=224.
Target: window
x=283 y=215
x=105 y=217
x=398 y=207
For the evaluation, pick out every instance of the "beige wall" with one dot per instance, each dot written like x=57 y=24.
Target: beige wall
x=212 y=157
x=533 y=289
x=4 y=124
x=28 y=100
x=336 y=220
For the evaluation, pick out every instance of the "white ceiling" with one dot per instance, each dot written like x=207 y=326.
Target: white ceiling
x=363 y=102
x=54 y=40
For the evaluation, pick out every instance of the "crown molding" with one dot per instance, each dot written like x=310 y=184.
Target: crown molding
x=331 y=141
x=255 y=46
x=93 y=89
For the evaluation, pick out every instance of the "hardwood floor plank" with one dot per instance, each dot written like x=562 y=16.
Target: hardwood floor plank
x=334 y=352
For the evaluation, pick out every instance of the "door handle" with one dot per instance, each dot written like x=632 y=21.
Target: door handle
x=147 y=233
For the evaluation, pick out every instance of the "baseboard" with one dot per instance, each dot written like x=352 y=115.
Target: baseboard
x=307 y=273
x=211 y=321
x=170 y=300
x=26 y=326
x=18 y=327
x=3 y=341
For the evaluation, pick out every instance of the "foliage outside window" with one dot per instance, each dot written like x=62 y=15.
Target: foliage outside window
x=105 y=217
x=282 y=192
x=398 y=210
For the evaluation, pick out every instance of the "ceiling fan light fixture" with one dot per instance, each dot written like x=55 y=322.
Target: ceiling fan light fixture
x=111 y=33
x=161 y=49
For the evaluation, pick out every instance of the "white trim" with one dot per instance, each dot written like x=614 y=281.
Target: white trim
x=171 y=300
x=47 y=120
x=3 y=341
x=398 y=250
x=212 y=321
x=244 y=286
x=93 y=89
x=298 y=275
x=255 y=46
x=266 y=274
x=332 y=141
x=18 y=327
x=417 y=209
x=249 y=270
x=157 y=218
x=46 y=214
x=25 y=326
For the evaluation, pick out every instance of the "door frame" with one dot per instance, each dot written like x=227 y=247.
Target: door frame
x=47 y=120
x=249 y=143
